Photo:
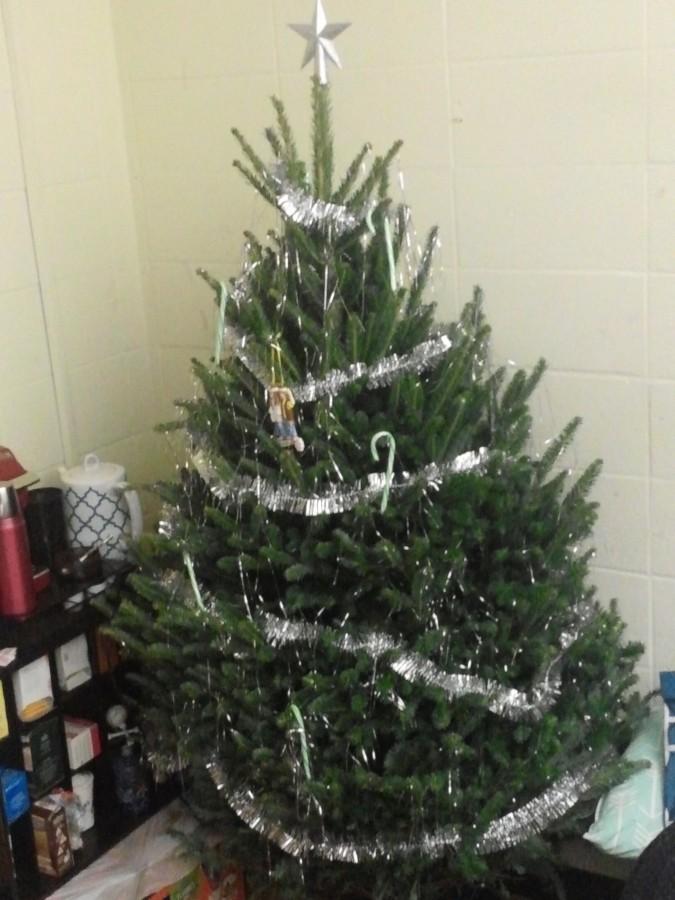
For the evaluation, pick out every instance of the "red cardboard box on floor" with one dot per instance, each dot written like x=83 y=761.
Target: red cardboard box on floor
x=196 y=886
x=232 y=885
x=193 y=886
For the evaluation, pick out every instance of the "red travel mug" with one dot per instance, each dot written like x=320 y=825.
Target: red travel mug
x=17 y=594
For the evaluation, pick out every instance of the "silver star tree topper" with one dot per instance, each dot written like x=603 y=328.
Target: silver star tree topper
x=319 y=36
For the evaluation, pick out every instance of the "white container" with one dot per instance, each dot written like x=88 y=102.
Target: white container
x=72 y=663
x=83 y=788
x=33 y=690
x=100 y=509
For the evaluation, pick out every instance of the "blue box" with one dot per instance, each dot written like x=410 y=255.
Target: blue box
x=15 y=796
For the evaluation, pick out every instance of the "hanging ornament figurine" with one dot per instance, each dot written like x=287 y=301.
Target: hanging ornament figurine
x=281 y=405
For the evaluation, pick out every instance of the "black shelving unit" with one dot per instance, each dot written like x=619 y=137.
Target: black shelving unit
x=41 y=634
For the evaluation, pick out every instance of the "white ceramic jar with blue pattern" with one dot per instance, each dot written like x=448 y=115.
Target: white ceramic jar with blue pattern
x=100 y=508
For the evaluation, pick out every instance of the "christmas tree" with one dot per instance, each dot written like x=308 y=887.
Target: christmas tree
x=378 y=677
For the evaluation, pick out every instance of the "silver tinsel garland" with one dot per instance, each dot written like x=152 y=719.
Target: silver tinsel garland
x=506 y=702
x=169 y=521
x=584 y=613
x=508 y=831
x=509 y=703
x=339 y=498
x=424 y=356
x=236 y=342
x=309 y=212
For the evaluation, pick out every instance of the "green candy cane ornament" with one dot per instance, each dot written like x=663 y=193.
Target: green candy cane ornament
x=391 y=441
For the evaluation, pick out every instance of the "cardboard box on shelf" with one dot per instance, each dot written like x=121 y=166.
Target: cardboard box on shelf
x=52 y=841
x=33 y=693
x=72 y=663
x=83 y=741
x=107 y=652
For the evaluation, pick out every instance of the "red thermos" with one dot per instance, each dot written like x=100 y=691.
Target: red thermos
x=17 y=594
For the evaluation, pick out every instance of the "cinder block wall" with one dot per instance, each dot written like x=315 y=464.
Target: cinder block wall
x=76 y=370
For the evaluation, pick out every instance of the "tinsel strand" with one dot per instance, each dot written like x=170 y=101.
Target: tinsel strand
x=307 y=211
x=509 y=703
x=422 y=357
x=338 y=498
x=506 y=702
x=507 y=831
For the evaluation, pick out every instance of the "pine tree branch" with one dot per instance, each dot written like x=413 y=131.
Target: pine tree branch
x=290 y=154
x=274 y=142
x=400 y=230
x=372 y=180
x=260 y=187
x=322 y=140
x=556 y=448
x=422 y=274
x=251 y=155
x=351 y=175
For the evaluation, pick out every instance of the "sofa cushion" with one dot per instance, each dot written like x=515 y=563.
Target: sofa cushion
x=630 y=815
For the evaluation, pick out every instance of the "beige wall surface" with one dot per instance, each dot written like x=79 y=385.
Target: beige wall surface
x=75 y=368
x=29 y=421
x=539 y=134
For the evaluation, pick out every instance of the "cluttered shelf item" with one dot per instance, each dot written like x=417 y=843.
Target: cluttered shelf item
x=73 y=781
x=151 y=862
x=105 y=835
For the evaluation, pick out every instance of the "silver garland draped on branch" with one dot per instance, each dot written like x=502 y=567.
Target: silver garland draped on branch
x=307 y=211
x=527 y=821
x=339 y=498
x=422 y=357
x=509 y=703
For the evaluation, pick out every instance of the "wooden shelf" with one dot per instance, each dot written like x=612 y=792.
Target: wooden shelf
x=52 y=624
x=41 y=634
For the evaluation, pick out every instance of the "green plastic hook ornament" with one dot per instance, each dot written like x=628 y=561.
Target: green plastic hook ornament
x=189 y=565
x=389 y=244
x=297 y=715
x=220 y=325
x=222 y=297
x=391 y=441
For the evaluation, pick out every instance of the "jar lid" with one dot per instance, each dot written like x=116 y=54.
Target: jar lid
x=93 y=473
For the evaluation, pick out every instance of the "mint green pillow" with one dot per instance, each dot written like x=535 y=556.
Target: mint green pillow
x=630 y=815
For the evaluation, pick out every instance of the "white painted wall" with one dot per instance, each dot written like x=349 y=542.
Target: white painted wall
x=29 y=421
x=565 y=215
x=75 y=366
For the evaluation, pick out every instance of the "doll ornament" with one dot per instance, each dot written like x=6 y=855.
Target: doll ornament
x=281 y=405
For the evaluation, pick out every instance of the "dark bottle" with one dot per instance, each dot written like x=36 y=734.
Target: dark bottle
x=131 y=783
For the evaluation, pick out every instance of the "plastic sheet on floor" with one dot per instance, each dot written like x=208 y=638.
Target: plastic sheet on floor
x=142 y=863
